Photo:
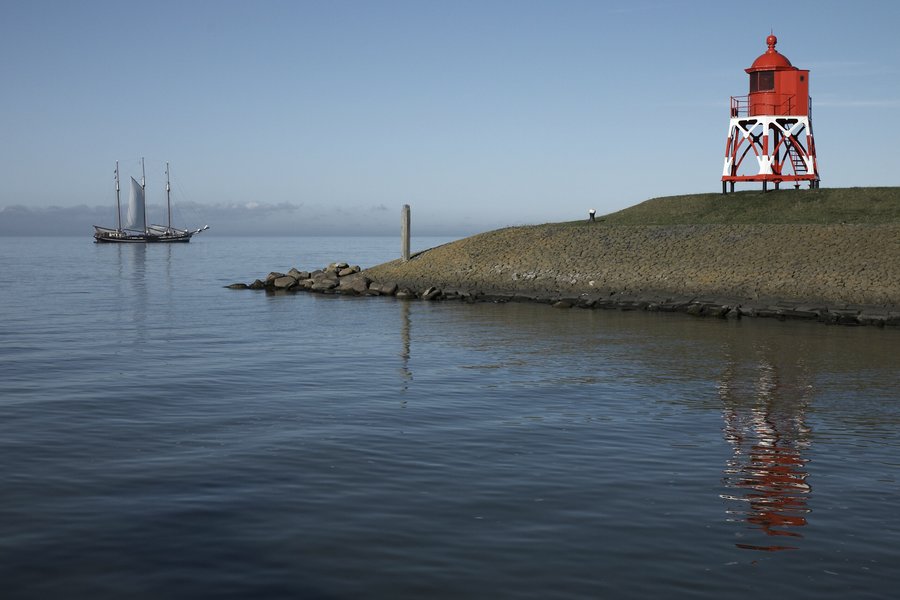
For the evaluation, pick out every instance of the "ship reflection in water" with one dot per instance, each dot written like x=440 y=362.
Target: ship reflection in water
x=766 y=479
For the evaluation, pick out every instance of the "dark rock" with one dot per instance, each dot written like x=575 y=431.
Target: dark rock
x=794 y=313
x=844 y=316
x=284 y=283
x=257 y=285
x=238 y=286
x=869 y=318
x=562 y=304
x=627 y=305
x=675 y=305
x=405 y=294
x=431 y=293
x=747 y=311
x=606 y=303
x=354 y=284
x=717 y=311
x=271 y=277
x=586 y=302
x=348 y=271
x=812 y=311
x=388 y=289
x=695 y=309
x=768 y=312
x=324 y=282
x=324 y=285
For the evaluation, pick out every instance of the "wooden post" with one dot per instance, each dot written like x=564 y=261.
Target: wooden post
x=404 y=231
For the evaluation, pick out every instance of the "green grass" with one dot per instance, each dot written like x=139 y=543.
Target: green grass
x=824 y=205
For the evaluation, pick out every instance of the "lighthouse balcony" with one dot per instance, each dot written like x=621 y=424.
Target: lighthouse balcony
x=769 y=103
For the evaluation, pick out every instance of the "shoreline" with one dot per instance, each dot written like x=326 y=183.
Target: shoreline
x=838 y=273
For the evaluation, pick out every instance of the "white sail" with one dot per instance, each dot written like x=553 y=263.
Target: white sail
x=135 y=217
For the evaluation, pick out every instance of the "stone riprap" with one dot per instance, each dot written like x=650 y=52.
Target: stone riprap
x=336 y=277
x=835 y=273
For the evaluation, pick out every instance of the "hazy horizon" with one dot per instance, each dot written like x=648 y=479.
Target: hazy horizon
x=236 y=219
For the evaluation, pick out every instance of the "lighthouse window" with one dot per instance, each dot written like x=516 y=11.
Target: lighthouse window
x=762 y=81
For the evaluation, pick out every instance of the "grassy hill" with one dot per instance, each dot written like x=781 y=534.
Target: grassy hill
x=822 y=206
x=826 y=247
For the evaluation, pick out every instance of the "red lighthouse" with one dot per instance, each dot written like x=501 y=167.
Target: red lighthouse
x=770 y=135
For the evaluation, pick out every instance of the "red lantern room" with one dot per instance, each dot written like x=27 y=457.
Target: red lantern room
x=770 y=132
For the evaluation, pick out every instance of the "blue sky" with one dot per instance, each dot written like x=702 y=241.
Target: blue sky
x=287 y=116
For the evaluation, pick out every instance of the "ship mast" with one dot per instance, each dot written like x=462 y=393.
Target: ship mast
x=118 y=204
x=144 y=192
x=168 y=201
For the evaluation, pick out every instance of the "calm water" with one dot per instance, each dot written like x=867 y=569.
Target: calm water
x=161 y=436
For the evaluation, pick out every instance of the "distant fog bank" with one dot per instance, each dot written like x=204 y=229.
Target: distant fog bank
x=236 y=219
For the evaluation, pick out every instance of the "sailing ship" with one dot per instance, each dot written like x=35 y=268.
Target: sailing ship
x=135 y=229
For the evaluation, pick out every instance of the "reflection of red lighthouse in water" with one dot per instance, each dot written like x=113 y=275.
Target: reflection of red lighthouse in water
x=770 y=136
x=772 y=478
x=767 y=472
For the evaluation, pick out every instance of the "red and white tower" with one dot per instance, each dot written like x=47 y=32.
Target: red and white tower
x=770 y=135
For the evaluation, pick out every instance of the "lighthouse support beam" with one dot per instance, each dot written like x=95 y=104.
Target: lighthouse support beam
x=774 y=142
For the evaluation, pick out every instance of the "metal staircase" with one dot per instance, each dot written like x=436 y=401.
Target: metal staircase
x=796 y=160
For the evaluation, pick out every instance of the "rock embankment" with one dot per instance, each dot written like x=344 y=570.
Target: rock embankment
x=335 y=278
x=834 y=273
